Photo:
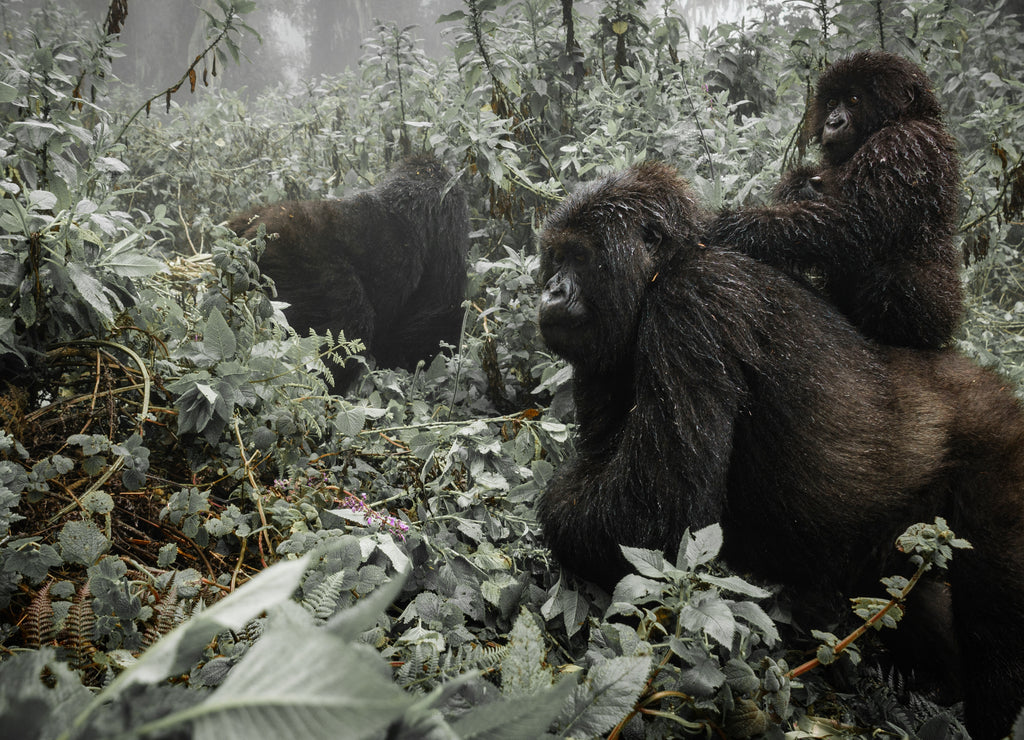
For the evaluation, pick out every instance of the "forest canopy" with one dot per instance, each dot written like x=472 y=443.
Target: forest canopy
x=198 y=538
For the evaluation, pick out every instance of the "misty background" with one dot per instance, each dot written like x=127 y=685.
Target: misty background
x=301 y=39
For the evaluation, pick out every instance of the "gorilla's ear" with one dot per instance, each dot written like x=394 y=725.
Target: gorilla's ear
x=652 y=234
x=897 y=95
x=910 y=94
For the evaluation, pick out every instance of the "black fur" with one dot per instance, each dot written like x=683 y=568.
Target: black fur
x=386 y=266
x=878 y=224
x=712 y=387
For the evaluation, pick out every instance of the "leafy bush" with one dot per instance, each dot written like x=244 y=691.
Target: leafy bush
x=167 y=438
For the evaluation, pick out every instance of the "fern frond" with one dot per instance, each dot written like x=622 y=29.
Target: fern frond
x=37 y=627
x=166 y=610
x=472 y=657
x=79 y=627
x=323 y=602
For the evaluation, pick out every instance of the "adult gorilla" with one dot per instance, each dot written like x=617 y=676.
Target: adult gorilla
x=877 y=218
x=386 y=265
x=712 y=387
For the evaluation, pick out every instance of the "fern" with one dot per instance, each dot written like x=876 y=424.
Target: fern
x=422 y=664
x=472 y=657
x=168 y=616
x=254 y=630
x=323 y=602
x=37 y=626
x=79 y=628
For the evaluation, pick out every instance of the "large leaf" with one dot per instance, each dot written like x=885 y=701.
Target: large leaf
x=303 y=683
x=524 y=717
x=82 y=542
x=91 y=290
x=219 y=342
x=126 y=260
x=711 y=615
x=648 y=563
x=181 y=647
x=700 y=547
x=605 y=697
x=522 y=670
x=31 y=707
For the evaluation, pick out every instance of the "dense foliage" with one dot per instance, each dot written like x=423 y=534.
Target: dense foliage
x=165 y=439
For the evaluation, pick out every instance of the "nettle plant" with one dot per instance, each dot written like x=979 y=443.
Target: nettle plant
x=195 y=537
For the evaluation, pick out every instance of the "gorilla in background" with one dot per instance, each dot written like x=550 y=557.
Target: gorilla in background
x=386 y=266
x=877 y=217
x=710 y=387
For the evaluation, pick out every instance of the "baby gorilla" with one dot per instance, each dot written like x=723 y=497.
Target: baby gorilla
x=877 y=218
x=713 y=387
x=386 y=266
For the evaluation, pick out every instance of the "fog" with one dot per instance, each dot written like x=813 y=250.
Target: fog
x=298 y=39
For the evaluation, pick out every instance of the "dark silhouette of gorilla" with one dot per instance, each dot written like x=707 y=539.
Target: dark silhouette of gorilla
x=386 y=266
x=877 y=218
x=710 y=387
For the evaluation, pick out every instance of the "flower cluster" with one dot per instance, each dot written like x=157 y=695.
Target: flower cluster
x=304 y=486
x=390 y=523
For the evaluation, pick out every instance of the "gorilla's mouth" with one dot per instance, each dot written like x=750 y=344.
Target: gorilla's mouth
x=561 y=332
x=565 y=336
x=839 y=146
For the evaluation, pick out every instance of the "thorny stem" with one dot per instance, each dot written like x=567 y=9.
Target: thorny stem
x=503 y=93
x=256 y=488
x=641 y=702
x=228 y=27
x=875 y=618
x=997 y=201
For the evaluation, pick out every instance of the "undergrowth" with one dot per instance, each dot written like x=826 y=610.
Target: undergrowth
x=197 y=539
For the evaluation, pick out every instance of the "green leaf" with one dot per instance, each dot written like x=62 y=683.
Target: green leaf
x=737 y=585
x=91 y=290
x=29 y=558
x=605 y=696
x=299 y=681
x=701 y=547
x=195 y=408
x=177 y=651
x=350 y=421
x=637 y=589
x=111 y=164
x=98 y=502
x=167 y=555
x=571 y=604
x=123 y=260
x=41 y=200
x=522 y=669
x=82 y=542
x=32 y=708
x=219 y=341
x=456 y=15
x=709 y=614
x=515 y=719
x=703 y=678
x=503 y=591
x=8 y=93
x=418 y=635
x=741 y=677
x=755 y=615
x=648 y=563
x=350 y=623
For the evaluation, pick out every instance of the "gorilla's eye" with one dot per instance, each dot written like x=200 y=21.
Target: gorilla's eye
x=569 y=255
x=853 y=101
x=832 y=103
